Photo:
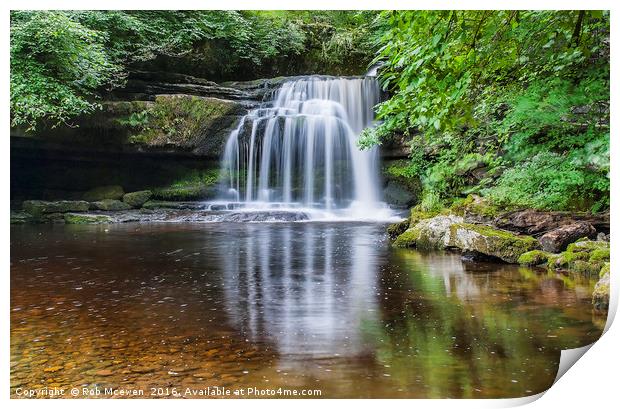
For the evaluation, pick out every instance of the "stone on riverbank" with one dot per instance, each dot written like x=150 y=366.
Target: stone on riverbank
x=137 y=199
x=104 y=192
x=40 y=207
x=490 y=242
x=21 y=217
x=427 y=234
x=600 y=297
x=160 y=204
x=72 y=218
x=584 y=257
x=558 y=239
x=111 y=205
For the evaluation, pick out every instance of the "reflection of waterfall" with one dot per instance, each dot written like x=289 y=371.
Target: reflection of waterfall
x=307 y=291
x=300 y=149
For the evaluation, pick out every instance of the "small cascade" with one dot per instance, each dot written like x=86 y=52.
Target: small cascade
x=299 y=149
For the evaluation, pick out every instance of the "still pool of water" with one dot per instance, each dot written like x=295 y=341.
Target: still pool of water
x=325 y=306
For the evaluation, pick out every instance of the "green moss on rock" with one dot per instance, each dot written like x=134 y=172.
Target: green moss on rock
x=600 y=296
x=396 y=229
x=408 y=238
x=489 y=241
x=73 y=218
x=599 y=255
x=198 y=185
x=533 y=258
x=104 y=192
x=137 y=199
x=179 y=119
x=40 y=207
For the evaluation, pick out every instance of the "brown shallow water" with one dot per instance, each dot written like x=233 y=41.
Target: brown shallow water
x=280 y=307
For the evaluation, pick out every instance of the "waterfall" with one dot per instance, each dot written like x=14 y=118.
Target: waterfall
x=299 y=149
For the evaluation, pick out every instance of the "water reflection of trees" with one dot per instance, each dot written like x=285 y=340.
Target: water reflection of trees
x=474 y=330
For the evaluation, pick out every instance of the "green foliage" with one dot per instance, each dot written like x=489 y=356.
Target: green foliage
x=479 y=92
x=56 y=66
x=549 y=181
x=62 y=60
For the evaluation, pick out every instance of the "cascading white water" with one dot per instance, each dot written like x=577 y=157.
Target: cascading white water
x=299 y=150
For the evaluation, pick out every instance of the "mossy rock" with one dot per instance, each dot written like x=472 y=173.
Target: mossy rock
x=21 y=217
x=585 y=245
x=41 y=207
x=492 y=242
x=600 y=296
x=586 y=268
x=111 y=205
x=396 y=229
x=73 y=218
x=407 y=239
x=104 y=192
x=599 y=255
x=185 y=121
x=137 y=199
x=417 y=214
x=585 y=257
x=184 y=193
x=475 y=206
x=428 y=234
x=533 y=258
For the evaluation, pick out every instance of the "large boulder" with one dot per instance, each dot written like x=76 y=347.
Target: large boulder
x=104 y=192
x=40 y=207
x=431 y=233
x=600 y=296
x=476 y=238
x=557 y=239
x=137 y=199
x=111 y=205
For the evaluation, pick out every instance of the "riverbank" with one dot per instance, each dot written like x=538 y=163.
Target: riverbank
x=564 y=242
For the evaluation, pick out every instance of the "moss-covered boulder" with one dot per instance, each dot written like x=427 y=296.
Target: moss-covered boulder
x=111 y=205
x=489 y=241
x=600 y=296
x=137 y=199
x=73 y=218
x=585 y=257
x=534 y=258
x=41 y=207
x=104 y=192
x=427 y=234
x=396 y=229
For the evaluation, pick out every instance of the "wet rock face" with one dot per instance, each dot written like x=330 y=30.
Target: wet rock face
x=558 y=239
x=398 y=196
x=41 y=207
